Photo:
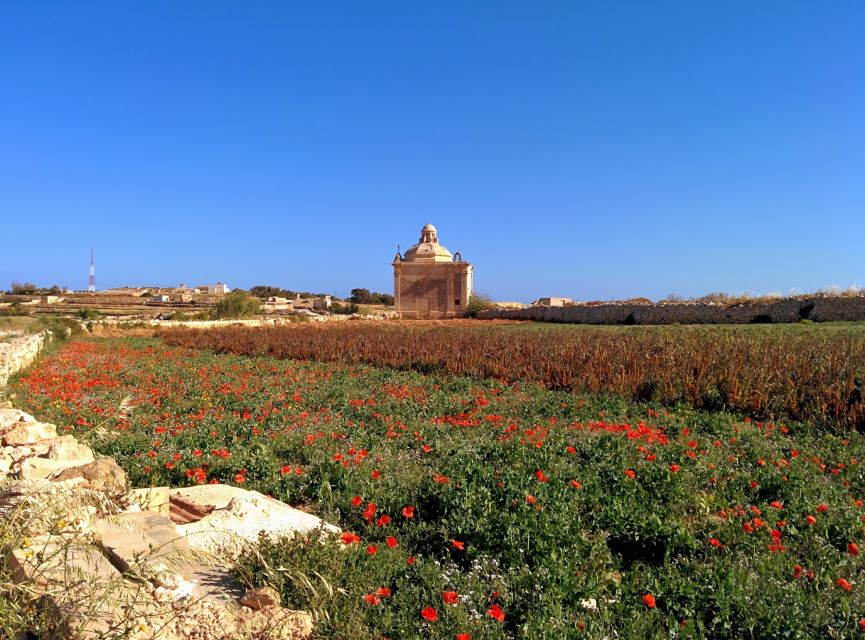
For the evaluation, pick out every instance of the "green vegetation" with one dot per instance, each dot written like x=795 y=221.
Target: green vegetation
x=236 y=304
x=30 y=289
x=263 y=292
x=477 y=303
x=490 y=508
x=363 y=296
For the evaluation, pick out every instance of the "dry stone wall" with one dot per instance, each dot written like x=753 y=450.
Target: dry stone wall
x=818 y=309
x=18 y=351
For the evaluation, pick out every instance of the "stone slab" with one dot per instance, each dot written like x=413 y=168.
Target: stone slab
x=147 y=544
x=240 y=516
x=49 y=561
x=149 y=499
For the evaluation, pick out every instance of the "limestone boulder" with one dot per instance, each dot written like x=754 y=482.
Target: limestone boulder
x=10 y=417
x=103 y=475
x=25 y=433
x=39 y=468
x=240 y=516
x=67 y=448
x=260 y=598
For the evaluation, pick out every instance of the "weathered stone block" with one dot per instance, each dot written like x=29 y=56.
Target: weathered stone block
x=102 y=475
x=9 y=417
x=260 y=598
x=150 y=499
x=29 y=433
x=39 y=468
x=67 y=448
x=241 y=516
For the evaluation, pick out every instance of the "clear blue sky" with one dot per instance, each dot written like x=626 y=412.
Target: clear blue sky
x=588 y=149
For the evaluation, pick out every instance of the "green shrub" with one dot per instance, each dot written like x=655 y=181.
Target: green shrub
x=237 y=304
x=477 y=303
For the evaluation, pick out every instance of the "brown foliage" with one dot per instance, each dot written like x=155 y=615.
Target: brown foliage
x=795 y=373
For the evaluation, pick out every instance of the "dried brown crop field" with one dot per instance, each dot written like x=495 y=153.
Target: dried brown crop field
x=808 y=372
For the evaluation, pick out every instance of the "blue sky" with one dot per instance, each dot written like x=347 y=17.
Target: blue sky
x=595 y=150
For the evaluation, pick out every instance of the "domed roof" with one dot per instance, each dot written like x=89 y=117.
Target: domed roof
x=428 y=248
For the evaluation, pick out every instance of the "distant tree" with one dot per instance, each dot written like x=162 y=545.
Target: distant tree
x=237 y=304
x=361 y=296
x=364 y=296
x=26 y=289
x=266 y=291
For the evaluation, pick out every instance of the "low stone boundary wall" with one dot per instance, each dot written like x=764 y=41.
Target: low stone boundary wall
x=144 y=564
x=818 y=309
x=19 y=351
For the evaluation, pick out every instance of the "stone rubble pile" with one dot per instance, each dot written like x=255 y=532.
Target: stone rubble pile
x=146 y=563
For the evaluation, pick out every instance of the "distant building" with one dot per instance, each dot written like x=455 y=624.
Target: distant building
x=160 y=298
x=218 y=289
x=429 y=282
x=322 y=304
x=552 y=302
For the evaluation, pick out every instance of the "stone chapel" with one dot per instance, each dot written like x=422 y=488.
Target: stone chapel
x=429 y=282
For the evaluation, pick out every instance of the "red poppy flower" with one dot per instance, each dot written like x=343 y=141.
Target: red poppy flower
x=391 y=542
x=853 y=549
x=841 y=582
x=576 y=485
x=776 y=504
x=285 y=470
x=376 y=474
x=384 y=592
x=372 y=549
x=468 y=636
x=822 y=508
x=811 y=520
x=450 y=597
x=797 y=571
x=410 y=560
x=349 y=538
x=371 y=599
x=497 y=613
x=630 y=473
x=383 y=520
x=429 y=614
x=649 y=600
x=675 y=468
x=356 y=501
x=369 y=512
x=408 y=512
x=456 y=544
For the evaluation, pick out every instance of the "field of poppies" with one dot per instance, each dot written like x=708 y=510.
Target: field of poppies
x=482 y=508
